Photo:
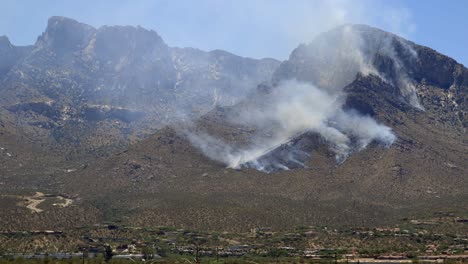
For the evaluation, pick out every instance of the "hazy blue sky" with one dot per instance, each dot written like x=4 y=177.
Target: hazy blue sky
x=254 y=28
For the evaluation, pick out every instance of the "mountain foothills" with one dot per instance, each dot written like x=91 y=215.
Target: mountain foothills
x=358 y=128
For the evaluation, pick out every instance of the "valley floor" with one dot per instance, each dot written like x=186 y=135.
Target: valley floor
x=443 y=237
x=188 y=259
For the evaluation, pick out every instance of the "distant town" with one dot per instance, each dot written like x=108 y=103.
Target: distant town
x=438 y=239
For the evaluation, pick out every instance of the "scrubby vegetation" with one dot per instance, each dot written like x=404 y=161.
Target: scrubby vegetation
x=443 y=236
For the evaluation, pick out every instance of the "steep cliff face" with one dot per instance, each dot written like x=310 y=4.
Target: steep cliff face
x=11 y=55
x=81 y=82
x=335 y=57
x=217 y=78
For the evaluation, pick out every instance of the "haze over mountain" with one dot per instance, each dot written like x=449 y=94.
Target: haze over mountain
x=76 y=79
x=358 y=127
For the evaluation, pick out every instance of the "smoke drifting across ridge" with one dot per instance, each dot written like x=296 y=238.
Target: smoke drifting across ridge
x=294 y=109
x=296 y=105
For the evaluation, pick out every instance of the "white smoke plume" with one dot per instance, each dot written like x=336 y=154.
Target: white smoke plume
x=296 y=108
x=333 y=59
x=308 y=97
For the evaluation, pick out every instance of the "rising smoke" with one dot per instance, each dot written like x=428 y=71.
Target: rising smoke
x=298 y=106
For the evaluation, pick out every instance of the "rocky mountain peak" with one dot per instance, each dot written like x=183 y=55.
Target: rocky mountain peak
x=121 y=77
x=4 y=42
x=10 y=55
x=113 y=42
x=334 y=58
x=65 y=35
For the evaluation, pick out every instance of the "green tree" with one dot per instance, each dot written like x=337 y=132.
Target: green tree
x=148 y=253
x=108 y=253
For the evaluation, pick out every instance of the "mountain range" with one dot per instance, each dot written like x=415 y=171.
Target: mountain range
x=358 y=127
